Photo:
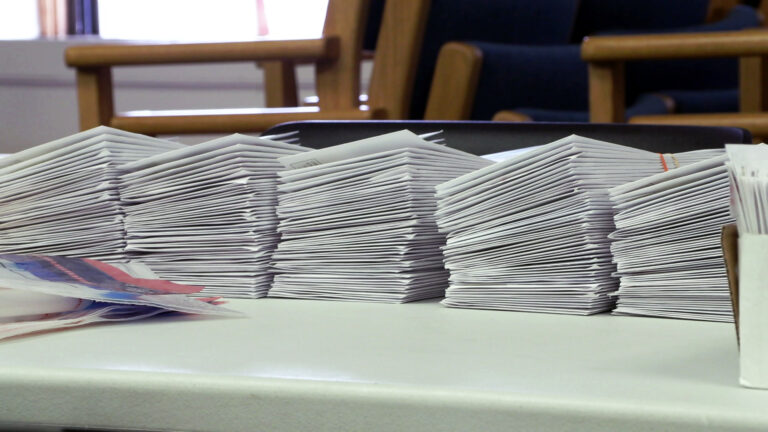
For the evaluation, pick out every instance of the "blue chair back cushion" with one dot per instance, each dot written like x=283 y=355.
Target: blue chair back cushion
x=601 y=16
x=539 y=22
x=512 y=76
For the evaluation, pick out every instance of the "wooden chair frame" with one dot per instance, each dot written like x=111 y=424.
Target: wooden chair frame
x=337 y=56
x=606 y=56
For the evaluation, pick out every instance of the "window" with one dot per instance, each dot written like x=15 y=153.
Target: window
x=163 y=20
x=19 y=20
x=219 y=20
x=178 y=20
x=295 y=18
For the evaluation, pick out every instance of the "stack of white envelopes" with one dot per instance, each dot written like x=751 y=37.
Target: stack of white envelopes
x=62 y=198
x=357 y=220
x=205 y=215
x=531 y=233
x=667 y=243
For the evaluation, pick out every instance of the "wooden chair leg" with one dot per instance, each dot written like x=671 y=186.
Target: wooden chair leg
x=95 y=97
x=398 y=46
x=753 y=84
x=279 y=84
x=338 y=80
x=606 y=92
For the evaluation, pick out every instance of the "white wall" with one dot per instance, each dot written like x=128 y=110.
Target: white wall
x=38 y=99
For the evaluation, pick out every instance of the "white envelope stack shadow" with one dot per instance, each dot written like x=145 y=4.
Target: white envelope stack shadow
x=357 y=220
x=62 y=198
x=531 y=233
x=205 y=215
x=667 y=243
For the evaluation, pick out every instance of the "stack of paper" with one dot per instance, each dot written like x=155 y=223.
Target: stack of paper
x=61 y=198
x=205 y=215
x=531 y=233
x=667 y=243
x=357 y=220
x=748 y=173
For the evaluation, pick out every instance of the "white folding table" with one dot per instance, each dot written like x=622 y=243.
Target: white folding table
x=295 y=365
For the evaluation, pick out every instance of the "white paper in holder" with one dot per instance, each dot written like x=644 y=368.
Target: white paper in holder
x=753 y=309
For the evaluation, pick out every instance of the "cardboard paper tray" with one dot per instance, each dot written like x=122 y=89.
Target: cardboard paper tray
x=730 y=242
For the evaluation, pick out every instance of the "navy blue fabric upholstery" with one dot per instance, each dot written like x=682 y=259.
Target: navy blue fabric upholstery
x=546 y=77
x=373 y=24
x=704 y=101
x=645 y=105
x=738 y=17
x=600 y=16
x=540 y=22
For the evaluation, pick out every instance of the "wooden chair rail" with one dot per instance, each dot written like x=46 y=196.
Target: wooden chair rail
x=128 y=54
x=665 y=46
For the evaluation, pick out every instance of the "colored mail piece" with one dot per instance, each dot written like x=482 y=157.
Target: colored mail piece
x=46 y=292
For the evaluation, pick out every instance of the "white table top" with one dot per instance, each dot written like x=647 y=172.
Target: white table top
x=331 y=366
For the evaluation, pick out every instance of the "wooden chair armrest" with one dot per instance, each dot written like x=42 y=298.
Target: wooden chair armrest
x=454 y=83
x=684 y=45
x=132 y=54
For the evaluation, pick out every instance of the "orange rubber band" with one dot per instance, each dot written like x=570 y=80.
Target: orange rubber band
x=663 y=162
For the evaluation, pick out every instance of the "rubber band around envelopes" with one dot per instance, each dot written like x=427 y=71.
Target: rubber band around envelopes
x=664 y=161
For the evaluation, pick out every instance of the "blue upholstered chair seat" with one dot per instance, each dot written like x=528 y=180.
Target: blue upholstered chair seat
x=647 y=104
